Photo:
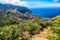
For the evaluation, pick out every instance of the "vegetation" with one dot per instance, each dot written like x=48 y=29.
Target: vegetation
x=22 y=26
x=12 y=32
x=55 y=28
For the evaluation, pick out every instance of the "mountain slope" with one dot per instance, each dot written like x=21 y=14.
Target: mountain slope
x=13 y=14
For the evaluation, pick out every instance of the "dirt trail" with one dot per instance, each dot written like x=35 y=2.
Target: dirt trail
x=43 y=34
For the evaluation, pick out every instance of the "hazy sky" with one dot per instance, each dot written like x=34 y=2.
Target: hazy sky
x=43 y=0
x=33 y=3
x=43 y=3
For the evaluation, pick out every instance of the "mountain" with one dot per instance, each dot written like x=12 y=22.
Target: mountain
x=10 y=14
x=10 y=6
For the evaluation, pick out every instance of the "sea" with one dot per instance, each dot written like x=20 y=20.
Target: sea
x=46 y=12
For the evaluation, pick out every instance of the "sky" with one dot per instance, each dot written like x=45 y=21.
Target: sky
x=33 y=3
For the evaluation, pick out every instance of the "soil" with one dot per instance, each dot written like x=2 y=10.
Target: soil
x=43 y=35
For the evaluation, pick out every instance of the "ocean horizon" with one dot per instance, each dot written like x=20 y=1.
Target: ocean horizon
x=46 y=12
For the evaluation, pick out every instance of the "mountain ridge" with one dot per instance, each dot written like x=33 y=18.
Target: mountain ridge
x=10 y=6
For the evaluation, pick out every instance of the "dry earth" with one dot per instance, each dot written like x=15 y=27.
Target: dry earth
x=43 y=34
